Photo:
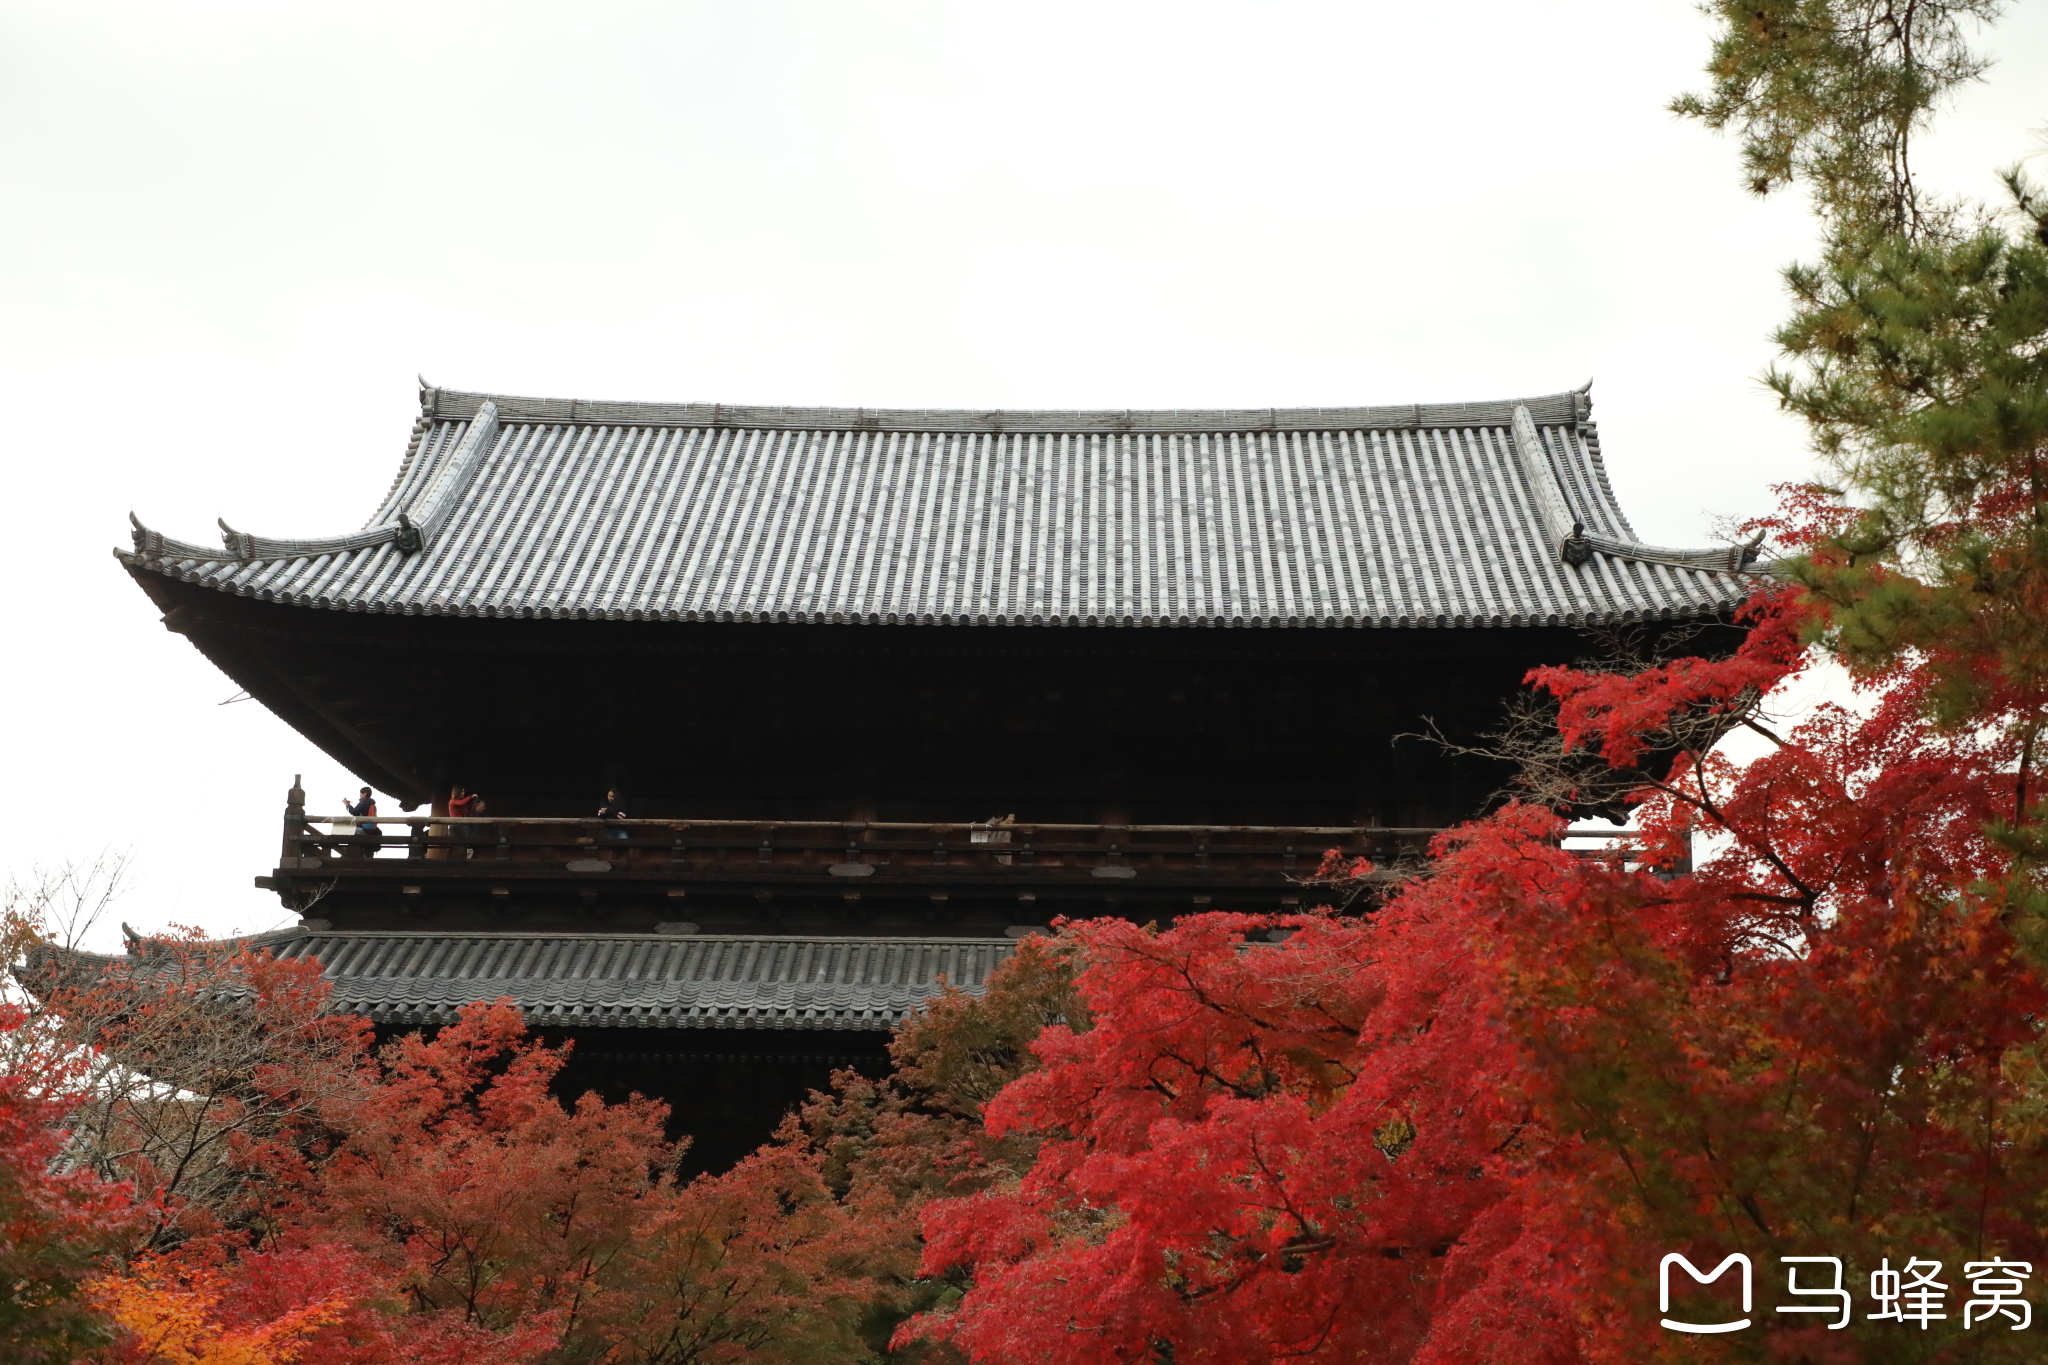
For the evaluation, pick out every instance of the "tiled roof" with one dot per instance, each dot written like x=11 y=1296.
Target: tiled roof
x=1445 y=515
x=635 y=980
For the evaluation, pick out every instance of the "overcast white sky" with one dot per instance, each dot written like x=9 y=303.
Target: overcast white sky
x=231 y=234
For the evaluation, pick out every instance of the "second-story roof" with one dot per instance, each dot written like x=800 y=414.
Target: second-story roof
x=1425 y=515
x=421 y=979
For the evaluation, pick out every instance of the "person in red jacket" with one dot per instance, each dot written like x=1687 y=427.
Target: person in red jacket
x=462 y=803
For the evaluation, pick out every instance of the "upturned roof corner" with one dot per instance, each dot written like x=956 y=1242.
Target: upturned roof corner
x=408 y=529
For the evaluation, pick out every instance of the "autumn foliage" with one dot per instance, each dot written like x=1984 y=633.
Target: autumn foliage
x=1467 y=1126
x=173 y=1318
x=55 y=1223
x=282 y=1190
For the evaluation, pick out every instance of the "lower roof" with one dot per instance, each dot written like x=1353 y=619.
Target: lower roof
x=420 y=979
x=1489 y=514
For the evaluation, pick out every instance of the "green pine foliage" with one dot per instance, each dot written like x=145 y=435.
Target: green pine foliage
x=1922 y=367
x=1829 y=93
x=1917 y=353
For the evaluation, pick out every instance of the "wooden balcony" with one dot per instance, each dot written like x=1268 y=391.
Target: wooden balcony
x=752 y=876
x=869 y=853
x=420 y=860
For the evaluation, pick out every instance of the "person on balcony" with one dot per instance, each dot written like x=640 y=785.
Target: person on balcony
x=465 y=804
x=368 y=837
x=459 y=803
x=613 y=809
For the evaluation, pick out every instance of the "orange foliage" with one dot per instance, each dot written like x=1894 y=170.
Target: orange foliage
x=172 y=1317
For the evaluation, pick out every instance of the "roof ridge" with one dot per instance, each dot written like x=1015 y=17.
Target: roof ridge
x=920 y=939
x=294 y=932
x=421 y=425
x=456 y=405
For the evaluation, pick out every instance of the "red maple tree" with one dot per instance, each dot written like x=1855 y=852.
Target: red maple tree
x=1467 y=1126
x=315 y=1198
x=56 y=1223
x=513 y=1225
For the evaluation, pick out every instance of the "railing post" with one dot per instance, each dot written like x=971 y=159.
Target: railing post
x=504 y=843
x=416 y=845
x=294 y=823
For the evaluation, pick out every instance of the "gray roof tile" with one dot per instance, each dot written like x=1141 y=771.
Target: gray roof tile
x=633 y=981
x=626 y=980
x=1441 y=515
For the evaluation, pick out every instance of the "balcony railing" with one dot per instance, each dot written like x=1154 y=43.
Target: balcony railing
x=852 y=853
